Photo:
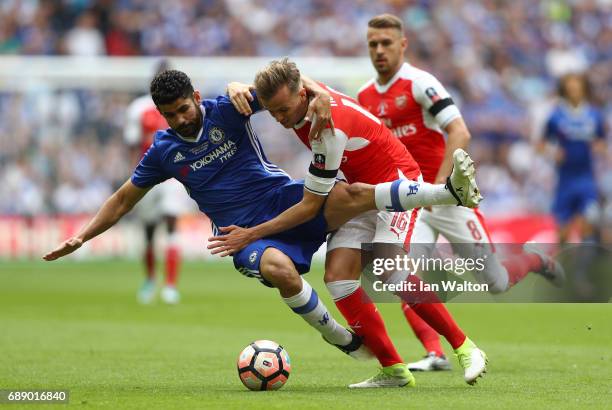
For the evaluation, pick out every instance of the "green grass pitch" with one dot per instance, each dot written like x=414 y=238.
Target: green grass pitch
x=77 y=326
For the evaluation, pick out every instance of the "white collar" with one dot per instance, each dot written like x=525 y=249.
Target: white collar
x=571 y=109
x=301 y=124
x=384 y=88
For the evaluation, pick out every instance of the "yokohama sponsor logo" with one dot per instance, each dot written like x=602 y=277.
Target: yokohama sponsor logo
x=223 y=153
x=404 y=130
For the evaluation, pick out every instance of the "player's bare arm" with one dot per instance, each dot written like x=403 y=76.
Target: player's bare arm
x=237 y=238
x=117 y=205
x=600 y=147
x=343 y=203
x=458 y=137
x=319 y=107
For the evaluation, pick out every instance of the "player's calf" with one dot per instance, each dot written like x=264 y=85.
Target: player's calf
x=278 y=270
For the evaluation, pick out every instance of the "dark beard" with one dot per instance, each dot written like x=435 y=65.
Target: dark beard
x=191 y=130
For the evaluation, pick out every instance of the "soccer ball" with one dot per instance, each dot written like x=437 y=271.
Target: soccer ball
x=264 y=365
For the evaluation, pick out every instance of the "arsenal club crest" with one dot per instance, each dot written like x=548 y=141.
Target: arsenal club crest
x=400 y=101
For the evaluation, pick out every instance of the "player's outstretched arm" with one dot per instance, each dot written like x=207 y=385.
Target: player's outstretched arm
x=117 y=205
x=458 y=137
x=236 y=238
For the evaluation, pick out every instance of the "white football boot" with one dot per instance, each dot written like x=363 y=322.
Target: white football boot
x=146 y=293
x=462 y=181
x=170 y=295
x=396 y=375
x=431 y=362
x=473 y=360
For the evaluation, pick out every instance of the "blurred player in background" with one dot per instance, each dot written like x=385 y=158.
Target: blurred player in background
x=419 y=111
x=161 y=206
x=573 y=132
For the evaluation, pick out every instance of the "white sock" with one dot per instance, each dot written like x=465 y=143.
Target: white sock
x=342 y=288
x=308 y=305
x=404 y=194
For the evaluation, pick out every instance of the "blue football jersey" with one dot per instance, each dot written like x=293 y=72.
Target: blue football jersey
x=574 y=130
x=225 y=170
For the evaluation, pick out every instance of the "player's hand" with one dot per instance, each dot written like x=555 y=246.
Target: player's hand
x=319 y=112
x=240 y=96
x=236 y=238
x=64 y=249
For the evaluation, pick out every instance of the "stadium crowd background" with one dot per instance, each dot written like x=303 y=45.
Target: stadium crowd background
x=61 y=151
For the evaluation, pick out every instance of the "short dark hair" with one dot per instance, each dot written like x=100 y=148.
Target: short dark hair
x=169 y=85
x=586 y=85
x=275 y=75
x=386 y=21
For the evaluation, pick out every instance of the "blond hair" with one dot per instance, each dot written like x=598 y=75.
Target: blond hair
x=386 y=21
x=274 y=76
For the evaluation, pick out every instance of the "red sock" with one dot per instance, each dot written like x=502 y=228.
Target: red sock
x=363 y=317
x=428 y=306
x=149 y=261
x=429 y=338
x=436 y=316
x=520 y=265
x=173 y=261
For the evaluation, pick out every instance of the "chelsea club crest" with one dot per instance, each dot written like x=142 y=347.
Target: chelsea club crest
x=253 y=257
x=216 y=135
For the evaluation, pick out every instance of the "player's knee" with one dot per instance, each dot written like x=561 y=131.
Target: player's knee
x=170 y=223
x=497 y=283
x=498 y=287
x=342 y=264
x=495 y=276
x=334 y=275
x=278 y=269
x=358 y=191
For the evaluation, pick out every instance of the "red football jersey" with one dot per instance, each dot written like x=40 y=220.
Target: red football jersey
x=416 y=107
x=362 y=148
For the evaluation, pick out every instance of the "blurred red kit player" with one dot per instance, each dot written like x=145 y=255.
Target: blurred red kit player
x=162 y=205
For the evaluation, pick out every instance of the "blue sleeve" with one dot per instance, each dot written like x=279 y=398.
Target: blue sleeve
x=255 y=105
x=149 y=171
x=229 y=112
